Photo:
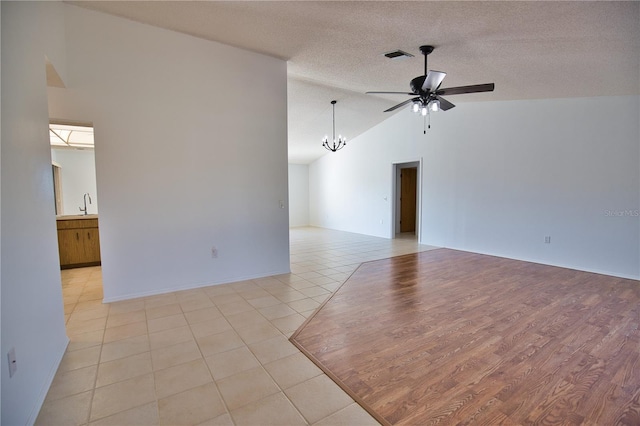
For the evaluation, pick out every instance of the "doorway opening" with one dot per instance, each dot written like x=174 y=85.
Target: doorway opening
x=74 y=183
x=76 y=206
x=75 y=190
x=407 y=203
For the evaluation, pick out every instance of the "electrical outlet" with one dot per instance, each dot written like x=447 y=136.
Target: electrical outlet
x=13 y=364
x=214 y=252
x=547 y=240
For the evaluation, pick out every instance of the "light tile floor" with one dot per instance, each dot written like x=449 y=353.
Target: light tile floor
x=215 y=355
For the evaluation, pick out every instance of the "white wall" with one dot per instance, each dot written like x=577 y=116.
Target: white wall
x=78 y=176
x=298 y=195
x=500 y=176
x=32 y=308
x=182 y=164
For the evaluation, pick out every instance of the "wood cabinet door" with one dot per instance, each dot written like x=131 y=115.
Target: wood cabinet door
x=91 y=240
x=80 y=245
x=70 y=246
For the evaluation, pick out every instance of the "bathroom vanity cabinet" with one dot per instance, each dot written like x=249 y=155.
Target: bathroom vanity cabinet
x=78 y=241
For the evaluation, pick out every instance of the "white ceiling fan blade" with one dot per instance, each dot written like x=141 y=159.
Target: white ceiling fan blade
x=433 y=80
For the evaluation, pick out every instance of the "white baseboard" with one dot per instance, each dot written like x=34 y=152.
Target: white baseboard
x=190 y=286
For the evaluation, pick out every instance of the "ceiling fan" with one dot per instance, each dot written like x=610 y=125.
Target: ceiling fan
x=427 y=92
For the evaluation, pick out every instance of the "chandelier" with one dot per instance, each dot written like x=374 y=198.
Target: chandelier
x=340 y=142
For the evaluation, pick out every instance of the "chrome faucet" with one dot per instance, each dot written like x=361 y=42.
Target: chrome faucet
x=85 y=196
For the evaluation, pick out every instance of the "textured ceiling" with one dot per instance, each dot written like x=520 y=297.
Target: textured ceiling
x=335 y=50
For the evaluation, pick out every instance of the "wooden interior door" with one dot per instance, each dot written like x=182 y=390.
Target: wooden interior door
x=408 y=186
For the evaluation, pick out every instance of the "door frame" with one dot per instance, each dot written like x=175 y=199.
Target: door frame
x=56 y=170
x=396 y=167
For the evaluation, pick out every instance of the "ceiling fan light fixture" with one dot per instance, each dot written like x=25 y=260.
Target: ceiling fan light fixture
x=426 y=91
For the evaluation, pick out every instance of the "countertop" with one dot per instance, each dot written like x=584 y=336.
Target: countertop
x=77 y=217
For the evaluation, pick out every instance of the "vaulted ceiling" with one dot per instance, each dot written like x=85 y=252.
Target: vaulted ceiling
x=335 y=50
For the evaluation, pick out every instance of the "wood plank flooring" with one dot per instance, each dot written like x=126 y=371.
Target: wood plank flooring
x=449 y=337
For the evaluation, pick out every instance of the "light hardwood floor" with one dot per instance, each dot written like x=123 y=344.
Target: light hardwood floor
x=448 y=337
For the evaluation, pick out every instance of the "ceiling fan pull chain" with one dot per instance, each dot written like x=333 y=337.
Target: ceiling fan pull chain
x=425 y=122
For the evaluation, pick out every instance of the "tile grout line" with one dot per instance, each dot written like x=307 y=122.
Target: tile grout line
x=224 y=402
x=305 y=261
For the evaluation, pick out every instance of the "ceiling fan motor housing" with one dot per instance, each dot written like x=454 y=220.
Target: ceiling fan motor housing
x=426 y=49
x=416 y=85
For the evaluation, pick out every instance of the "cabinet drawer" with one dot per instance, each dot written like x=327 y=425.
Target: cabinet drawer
x=79 y=223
